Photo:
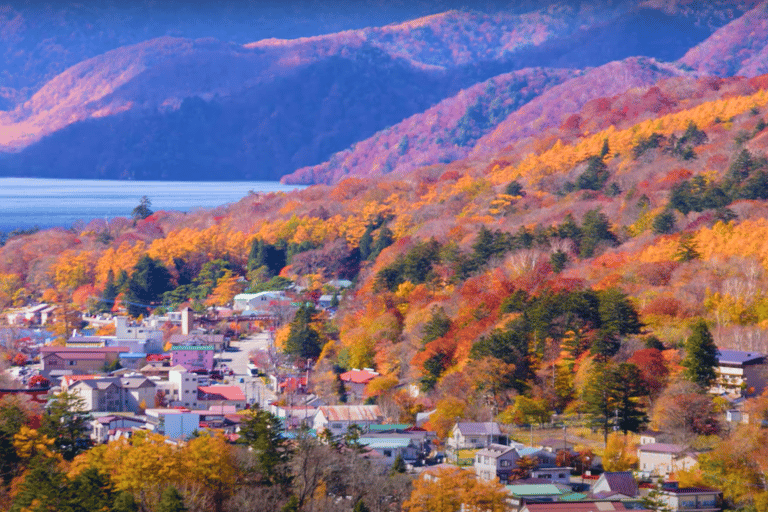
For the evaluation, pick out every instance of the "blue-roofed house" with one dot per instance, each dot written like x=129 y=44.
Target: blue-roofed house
x=740 y=373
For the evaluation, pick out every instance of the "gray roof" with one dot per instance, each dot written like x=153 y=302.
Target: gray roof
x=495 y=450
x=621 y=482
x=661 y=448
x=487 y=428
x=136 y=382
x=739 y=357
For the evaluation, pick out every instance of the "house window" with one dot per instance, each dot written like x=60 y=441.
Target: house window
x=387 y=453
x=72 y=363
x=688 y=503
x=336 y=426
x=561 y=475
x=505 y=463
x=473 y=440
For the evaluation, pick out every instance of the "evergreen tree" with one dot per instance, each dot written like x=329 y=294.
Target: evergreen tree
x=110 y=293
x=617 y=314
x=628 y=387
x=514 y=188
x=124 y=502
x=664 y=222
x=66 y=422
x=148 y=281
x=171 y=501
x=605 y=149
x=263 y=433
x=595 y=176
x=44 y=488
x=384 y=240
x=687 y=249
x=269 y=256
x=398 y=466
x=12 y=418
x=303 y=341
x=142 y=210
x=436 y=327
x=90 y=490
x=701 y=356
x=365 y=244
x=360 y=506
x=292 y=505
x=557 y=261
x=595 y=228
x=613 y=394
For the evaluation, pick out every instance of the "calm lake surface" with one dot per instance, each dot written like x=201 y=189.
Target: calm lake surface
x=29 y=202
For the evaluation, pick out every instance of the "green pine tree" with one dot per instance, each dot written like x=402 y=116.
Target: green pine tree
x=263 y=433
x=701 y=356
x=398 y=466
x=171 y=501
x=125 y=502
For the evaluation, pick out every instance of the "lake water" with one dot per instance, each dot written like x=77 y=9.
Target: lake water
x=29 y=202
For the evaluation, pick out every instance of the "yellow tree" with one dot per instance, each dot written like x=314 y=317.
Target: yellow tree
x=227 y=287
x=619 y=453
x=208 y=465
x=451 y=489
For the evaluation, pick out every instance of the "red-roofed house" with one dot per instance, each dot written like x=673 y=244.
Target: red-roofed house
x=355 y=381
x=208 y=396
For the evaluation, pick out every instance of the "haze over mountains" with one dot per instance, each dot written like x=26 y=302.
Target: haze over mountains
x=157 y=94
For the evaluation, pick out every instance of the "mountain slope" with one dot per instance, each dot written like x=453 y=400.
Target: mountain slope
x=553 y=107
x=739 y=48
x=443 y=133
x=119 y=114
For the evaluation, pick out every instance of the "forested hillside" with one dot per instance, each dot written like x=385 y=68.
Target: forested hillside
x=158 y=99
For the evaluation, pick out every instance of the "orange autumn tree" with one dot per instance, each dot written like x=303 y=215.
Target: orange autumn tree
x=449 y=489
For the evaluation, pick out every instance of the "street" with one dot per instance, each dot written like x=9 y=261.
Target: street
x=236 y=359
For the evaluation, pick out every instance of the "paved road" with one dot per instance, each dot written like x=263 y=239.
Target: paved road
x=237 y=360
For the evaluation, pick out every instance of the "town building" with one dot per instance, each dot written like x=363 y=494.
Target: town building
x=468 y=435
x=193 y=357
x=740 y=373
x=661 y=459
x=689 y=499
x=338 y=418
x=495 y=460
x=355 y=381
x=208 y=396
x=59 y=361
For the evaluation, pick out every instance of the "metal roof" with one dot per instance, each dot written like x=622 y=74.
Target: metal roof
x=370 y=413
x=534 y=490
x=470 y=428
x=739 y=357
x=379 y=443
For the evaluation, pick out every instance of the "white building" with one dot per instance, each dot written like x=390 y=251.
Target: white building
x=261 y=300
x=184 y=385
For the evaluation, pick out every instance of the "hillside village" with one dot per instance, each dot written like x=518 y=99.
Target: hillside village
x=171 y=376
x=511 y=288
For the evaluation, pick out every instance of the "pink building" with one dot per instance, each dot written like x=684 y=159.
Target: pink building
x=193 y=357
